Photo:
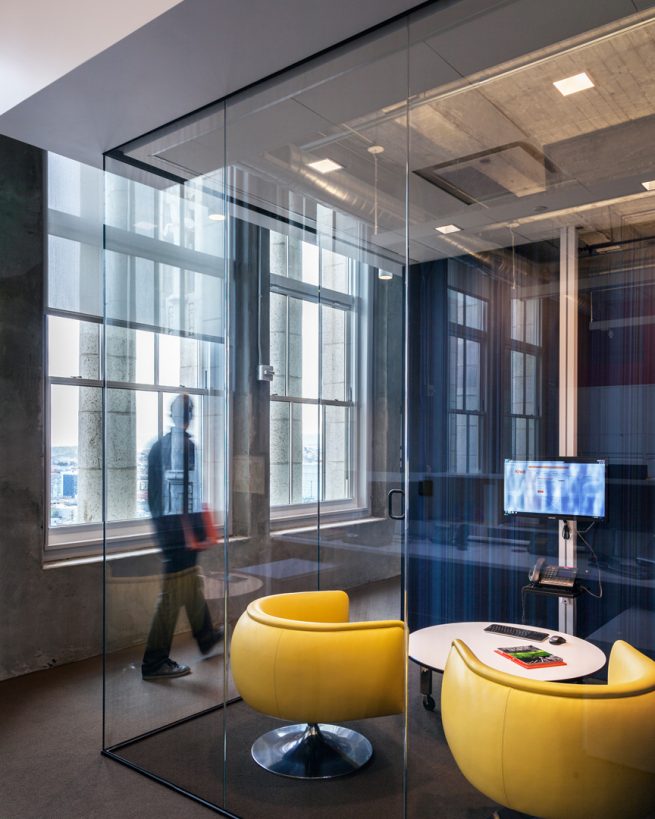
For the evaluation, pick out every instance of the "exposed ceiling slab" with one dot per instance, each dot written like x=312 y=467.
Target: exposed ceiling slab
x=499 y=146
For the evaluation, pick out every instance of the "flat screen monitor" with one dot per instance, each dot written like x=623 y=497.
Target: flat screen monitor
x=566 y=488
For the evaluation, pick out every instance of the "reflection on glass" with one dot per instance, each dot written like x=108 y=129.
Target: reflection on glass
x=130 y=283
x=491 y=154
x=74 y=276
x=143 y=213
x=65 y=184
x=308 y=269
x=169 y=215
x=335 y=271
x=204 y=304
x=171 y=315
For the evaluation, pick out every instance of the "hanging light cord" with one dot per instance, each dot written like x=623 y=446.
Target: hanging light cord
x=375 y=151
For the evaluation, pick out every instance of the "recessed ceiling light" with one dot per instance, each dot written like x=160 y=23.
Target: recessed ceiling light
x=384 y=275
x=650 y=185
x=447 y=229
x=217 y=217
x=571 y=85
x=325 y=166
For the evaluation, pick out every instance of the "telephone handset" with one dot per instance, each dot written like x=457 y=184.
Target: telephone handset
x=543 y=574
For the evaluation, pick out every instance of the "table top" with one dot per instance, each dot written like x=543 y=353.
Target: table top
x=430 y=647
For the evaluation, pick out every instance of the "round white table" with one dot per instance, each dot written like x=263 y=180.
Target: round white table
x=429 y=647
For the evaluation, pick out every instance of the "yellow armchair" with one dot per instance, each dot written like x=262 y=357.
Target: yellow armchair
x=555 y=749
x=297 y=657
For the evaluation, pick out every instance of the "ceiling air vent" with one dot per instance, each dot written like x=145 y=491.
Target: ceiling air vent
x=516 y=169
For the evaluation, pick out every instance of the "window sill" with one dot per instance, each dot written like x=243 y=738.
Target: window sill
x=336 y=517
x=79 y=550
x=58 y=561
x=87 y=560
x=337 y=524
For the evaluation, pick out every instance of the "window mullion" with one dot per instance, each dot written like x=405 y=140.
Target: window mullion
x=286 y=346
x=290 y=453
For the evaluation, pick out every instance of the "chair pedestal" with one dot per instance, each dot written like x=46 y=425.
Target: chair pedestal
x=312 y=751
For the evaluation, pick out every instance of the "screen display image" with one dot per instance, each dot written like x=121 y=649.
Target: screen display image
x=562 y=489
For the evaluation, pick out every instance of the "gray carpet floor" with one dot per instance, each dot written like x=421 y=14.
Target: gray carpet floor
x=51 y=767
x=50 y=762
x=51 y=725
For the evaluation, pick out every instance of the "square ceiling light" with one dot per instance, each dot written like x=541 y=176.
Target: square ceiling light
x=325 y=166
x=445 y=229
x=571 y=85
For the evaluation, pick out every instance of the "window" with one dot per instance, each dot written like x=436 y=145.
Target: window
x=315 y=417
x=467 y=320
x=121 y=346
x=525 y=365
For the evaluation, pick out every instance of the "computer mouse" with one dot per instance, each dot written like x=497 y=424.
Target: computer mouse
x=556 y=640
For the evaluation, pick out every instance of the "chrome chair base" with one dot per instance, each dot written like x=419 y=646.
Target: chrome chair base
x=312 y=751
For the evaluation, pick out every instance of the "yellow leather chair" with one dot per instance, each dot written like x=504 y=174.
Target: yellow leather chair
x=296 y=657
x=555 y=749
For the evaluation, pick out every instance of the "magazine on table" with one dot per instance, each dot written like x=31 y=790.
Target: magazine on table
x=530 y=656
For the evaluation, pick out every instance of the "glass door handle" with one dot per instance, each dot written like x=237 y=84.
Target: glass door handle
x=390 y=495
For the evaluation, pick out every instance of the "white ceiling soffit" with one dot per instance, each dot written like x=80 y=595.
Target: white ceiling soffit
x=41 y=41
x=195 y=53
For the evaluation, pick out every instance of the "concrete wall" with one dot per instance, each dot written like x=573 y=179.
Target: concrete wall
x=52 y=616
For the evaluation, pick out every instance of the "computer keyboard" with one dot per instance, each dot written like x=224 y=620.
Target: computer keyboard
x=513 y=631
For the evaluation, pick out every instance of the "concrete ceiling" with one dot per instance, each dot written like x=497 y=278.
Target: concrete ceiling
x=129 y=83
x=492 y=141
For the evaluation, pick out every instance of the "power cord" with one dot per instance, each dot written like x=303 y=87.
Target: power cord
x=566 y=534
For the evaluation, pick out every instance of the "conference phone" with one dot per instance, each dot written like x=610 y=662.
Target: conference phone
x=544 y=574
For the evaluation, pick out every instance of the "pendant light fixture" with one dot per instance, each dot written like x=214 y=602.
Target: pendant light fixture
x=375 y=151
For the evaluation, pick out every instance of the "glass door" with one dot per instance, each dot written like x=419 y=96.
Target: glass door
x=317 y=290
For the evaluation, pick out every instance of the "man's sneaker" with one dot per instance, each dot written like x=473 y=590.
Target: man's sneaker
x=168 y=670
x=206 y=646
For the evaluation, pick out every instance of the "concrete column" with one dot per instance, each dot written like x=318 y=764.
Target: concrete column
x=568 y=395
x=46 y=616
x=250 y=405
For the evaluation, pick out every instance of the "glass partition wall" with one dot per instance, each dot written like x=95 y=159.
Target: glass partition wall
x=292 y=354
x=346 y=312
x=165 y=432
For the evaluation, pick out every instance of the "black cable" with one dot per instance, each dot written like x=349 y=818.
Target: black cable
x=594 y=555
